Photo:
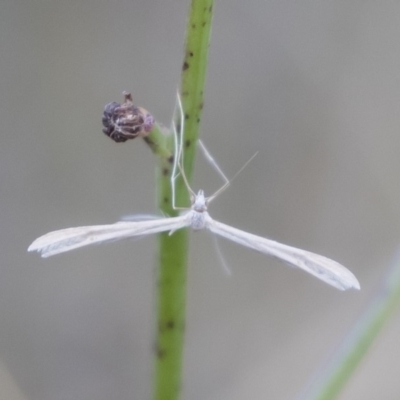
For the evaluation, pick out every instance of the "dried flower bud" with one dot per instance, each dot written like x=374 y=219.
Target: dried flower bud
x=126 y=121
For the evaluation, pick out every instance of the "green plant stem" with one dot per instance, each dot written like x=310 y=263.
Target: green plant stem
x=361 y=340
x=173 y=249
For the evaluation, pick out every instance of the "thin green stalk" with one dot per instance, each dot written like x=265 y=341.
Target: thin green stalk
x=361 y=340
x=173 y=249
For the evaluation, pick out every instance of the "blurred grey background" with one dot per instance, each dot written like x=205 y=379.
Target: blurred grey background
x=314 y=86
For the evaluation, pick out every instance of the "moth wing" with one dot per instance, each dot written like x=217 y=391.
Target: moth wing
x=321 y=267
x=63 y=240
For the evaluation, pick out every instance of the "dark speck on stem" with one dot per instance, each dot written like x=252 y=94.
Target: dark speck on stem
x=171 y=159
x=170 y=324
x=161 y=353
x=185 y=66
x=186 y=117
x=165 y=171
x=148 y=140
x=188 y=143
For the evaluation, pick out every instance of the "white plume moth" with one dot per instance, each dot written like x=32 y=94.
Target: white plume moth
x=197 y=218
